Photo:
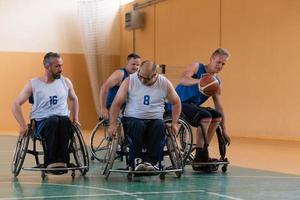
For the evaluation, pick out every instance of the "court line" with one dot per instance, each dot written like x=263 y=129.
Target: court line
x=78 y=186
x=184 y=176
x=120 y=193
x=271 y=177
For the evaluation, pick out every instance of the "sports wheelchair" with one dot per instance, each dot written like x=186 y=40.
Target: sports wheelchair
x=214 y=164
x=107 y=149
x=77 y=147
x=187 y=148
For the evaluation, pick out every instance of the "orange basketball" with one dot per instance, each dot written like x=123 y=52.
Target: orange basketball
x=208 y=84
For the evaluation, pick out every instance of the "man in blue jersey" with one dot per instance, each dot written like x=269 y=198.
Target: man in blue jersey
x=110 y=87
x=145 y=92
x=50 y=111
x=192 y=99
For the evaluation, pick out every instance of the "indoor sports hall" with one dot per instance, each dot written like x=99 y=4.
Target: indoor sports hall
x=259 y=90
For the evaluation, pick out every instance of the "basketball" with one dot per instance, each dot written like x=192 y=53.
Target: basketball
x=208 y=84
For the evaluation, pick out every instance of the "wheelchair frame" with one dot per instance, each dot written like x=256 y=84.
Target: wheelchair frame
x=223 y=160
x=116 y=142
x=77 y=147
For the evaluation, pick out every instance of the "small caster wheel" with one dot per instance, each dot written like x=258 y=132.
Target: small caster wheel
x=73 y=174
x=224 y=169
x=43 y=175
x=92 y=158
x=162 y=176
x=129 y=176
x=107 y=175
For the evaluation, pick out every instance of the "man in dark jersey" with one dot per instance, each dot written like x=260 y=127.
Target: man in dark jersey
x=192 y=99
x=110 y=87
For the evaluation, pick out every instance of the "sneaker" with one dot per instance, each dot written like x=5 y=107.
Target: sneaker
x=150 y=167
x=57 y=165
x=139 y=165
x=201 y=155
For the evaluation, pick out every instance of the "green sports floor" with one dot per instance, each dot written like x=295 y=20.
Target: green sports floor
x=237 y=183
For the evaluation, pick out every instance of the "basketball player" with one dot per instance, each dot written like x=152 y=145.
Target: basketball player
x=110 y=87
x=145 y=92
x=50 y=111
x=192 y=99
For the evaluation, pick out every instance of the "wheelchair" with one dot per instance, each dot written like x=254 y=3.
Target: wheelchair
x=117 y=147
x=77 y=148
x=99 y=139
x=213 y=165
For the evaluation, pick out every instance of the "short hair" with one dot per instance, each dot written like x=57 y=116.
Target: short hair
x=154 y=66
x=133 y=55
x=221 y=52
x=48 y=58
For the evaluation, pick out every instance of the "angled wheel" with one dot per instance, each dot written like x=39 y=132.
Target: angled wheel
x=20 y=152
x=79 y=150
x=184 y=137
x=112 y=152
x=99 y=141
x=174 y=152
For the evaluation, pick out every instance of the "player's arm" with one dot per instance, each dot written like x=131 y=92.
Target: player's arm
x=186 y=78
x=114 y=79
x=219 y=107
x=16 y=107
x=74 y=104
x=116 y=106
x=176 y=106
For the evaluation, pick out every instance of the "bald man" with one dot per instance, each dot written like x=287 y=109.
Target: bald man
x=145 y=93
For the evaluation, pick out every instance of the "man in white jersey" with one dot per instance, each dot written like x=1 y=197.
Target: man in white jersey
x=50 y=93
x=145 y=92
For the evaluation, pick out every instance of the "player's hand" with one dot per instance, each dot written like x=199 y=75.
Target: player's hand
x=174 y=128
x=227 y=138
x=104 y=114
x=112 y=129
x=23 y=131
x=77 y=123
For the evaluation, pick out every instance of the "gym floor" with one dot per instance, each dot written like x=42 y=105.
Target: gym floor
x=260 y=169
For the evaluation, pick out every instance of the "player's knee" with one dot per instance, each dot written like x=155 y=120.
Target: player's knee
x=216 y=120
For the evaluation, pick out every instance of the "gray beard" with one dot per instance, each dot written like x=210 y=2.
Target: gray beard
x=56 y=76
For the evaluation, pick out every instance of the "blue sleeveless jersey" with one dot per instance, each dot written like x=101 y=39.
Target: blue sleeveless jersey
x=113 y=91
x=191 y=94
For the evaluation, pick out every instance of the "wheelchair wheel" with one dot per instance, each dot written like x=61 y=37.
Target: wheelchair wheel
x=20 y=153
x=99 y=141
x=184 y=137
x=174 y=152
x=80 y=152
x=111 y=153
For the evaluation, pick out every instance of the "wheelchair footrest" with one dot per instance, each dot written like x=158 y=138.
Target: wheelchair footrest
x=145 y=172
x=53 y=169
x=210 y=163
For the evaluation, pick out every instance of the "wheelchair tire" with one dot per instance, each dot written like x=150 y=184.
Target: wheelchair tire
x=184 y=138
x=20 y=153
x=111 y=154
x=80 y=152
x=99 y=141
x=173 y=150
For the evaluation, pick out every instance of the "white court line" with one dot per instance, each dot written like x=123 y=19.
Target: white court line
x=271 y=177
x=77 y=186
x=184 y=176
x=120 y=193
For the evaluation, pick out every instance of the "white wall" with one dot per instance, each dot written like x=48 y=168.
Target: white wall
x=40 y=26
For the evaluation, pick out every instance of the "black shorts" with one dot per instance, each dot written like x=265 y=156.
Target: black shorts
x=193 y=114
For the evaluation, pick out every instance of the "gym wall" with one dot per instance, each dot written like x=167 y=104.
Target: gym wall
x=29 y=29
x=260 y=81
